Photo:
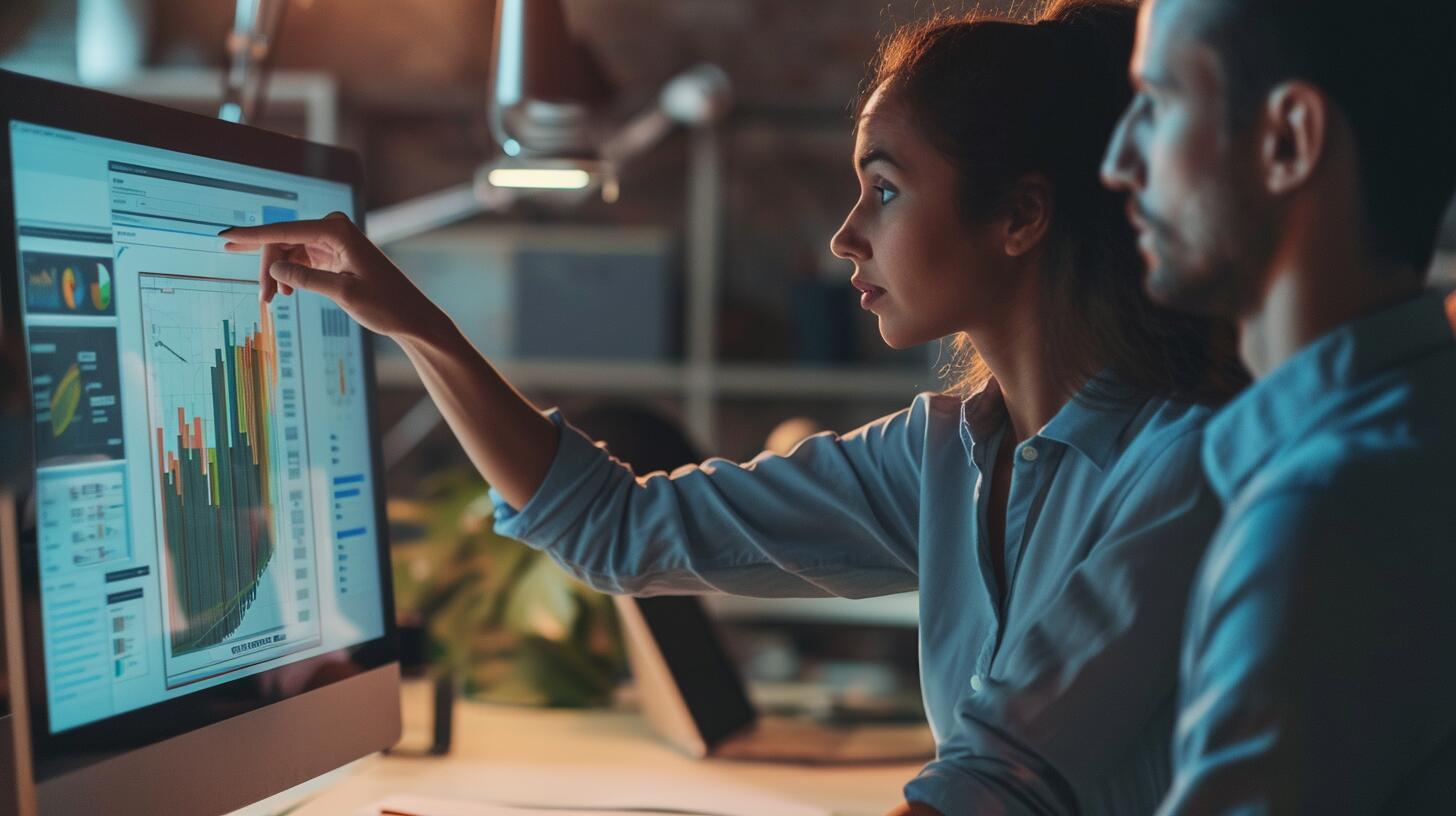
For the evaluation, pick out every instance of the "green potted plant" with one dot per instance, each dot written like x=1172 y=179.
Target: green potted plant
x=503 y=619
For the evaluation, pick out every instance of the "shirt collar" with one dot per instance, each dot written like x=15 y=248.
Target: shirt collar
x=1245 y=434
x=1090 y=423
x=983 y=413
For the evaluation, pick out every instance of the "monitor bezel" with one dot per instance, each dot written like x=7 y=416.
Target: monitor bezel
x=53 y=104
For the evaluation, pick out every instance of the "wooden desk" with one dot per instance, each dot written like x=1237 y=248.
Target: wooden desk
x=498 y=748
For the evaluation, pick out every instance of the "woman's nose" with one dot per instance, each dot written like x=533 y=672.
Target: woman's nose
x=848 y=243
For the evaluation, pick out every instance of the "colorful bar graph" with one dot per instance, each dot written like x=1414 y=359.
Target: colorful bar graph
x=217 y=502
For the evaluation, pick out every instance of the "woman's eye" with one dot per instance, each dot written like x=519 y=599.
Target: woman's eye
x=885 y=193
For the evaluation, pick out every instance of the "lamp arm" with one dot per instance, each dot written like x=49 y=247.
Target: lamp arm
x=431 y=211
x=256 y=24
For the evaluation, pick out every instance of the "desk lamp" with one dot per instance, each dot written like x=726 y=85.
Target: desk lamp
x=548 y=95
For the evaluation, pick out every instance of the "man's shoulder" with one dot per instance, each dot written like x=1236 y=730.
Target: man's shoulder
x=1343 y=489
x=1393 y=436
x=1389 y=460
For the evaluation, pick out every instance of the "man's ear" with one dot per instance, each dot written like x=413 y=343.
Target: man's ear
x=1295 y=137
x=1029 y=214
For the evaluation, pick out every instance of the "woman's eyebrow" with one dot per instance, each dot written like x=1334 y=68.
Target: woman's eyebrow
x=875 y=154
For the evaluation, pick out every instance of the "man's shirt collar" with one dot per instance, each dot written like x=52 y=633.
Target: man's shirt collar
x=1240 y=439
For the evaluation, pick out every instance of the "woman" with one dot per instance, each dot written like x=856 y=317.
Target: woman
x=1051 y=521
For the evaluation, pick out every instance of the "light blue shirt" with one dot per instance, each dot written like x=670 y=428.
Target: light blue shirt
x=1319 y=663
x=1054 y=695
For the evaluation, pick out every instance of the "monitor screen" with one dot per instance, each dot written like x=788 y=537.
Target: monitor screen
x=204 y=499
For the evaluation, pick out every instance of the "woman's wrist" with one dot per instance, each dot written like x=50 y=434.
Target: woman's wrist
x=434 y=331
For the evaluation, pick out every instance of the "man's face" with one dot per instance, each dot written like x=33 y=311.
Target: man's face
x=1194 y=196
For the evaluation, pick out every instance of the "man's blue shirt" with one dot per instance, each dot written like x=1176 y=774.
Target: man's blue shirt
x=1319 y=661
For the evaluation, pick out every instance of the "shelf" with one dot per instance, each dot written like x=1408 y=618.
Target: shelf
x=727 y=381
x=889 y=610
x=585 y=376
x=842 y=380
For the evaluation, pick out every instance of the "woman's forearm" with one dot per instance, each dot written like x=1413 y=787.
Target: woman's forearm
x=505 y=436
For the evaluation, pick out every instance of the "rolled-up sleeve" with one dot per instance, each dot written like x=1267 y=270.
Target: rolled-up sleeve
x=1054 y=726
x=837 y=516
x=1318 y=663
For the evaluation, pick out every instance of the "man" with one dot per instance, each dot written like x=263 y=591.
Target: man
x=1289 y=162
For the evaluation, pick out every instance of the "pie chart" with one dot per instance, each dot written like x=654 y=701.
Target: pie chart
x=68 y=288
x=101 y=289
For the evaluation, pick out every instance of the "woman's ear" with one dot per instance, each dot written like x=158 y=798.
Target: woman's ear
x=1029 y=214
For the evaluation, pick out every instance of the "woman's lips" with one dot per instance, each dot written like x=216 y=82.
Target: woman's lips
x=868 y=293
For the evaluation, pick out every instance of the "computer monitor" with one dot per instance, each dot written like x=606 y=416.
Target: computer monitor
x=197 y=506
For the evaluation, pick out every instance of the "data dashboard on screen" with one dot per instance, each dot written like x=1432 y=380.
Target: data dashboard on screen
x=203 y=505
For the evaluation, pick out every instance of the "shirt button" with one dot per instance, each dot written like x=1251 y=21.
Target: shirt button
x=976 y=683
x=1029 y=454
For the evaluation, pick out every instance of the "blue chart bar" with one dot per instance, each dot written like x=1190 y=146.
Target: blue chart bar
x=350 y=508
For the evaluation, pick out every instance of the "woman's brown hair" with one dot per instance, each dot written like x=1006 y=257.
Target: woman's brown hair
x=1006 y=98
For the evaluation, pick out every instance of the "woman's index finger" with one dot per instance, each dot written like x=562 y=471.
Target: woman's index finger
x=284 y=232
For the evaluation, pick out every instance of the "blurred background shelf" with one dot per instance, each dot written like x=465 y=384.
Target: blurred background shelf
x=588 y=377
x=652 y=379
x=891 y=610
x=862 y=380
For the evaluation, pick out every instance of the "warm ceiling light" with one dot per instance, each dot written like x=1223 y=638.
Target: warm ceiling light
x=539 y=178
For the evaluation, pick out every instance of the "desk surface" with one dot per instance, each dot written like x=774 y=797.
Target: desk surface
x=495 y=742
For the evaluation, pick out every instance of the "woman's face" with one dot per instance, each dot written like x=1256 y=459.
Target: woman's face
x=919 y=266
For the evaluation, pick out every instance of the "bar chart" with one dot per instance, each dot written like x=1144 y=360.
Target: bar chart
x=230 y=467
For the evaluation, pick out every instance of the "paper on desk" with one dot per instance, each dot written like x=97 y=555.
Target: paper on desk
x=430 y=806
x=588 y=792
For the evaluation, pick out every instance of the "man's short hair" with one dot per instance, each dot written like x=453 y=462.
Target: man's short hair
x=1389 y=67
